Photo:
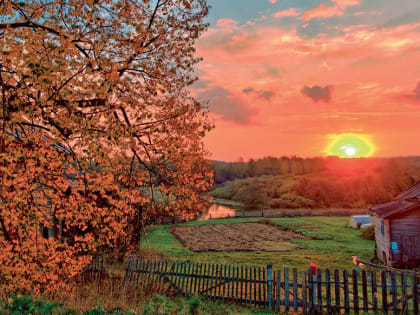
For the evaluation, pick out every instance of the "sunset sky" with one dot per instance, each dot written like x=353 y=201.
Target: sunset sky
x=284 y=77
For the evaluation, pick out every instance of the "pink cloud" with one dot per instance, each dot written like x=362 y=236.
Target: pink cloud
x=290 y=12
x=272 y=1
x=227 y=23
x=346 y=3
x=324 y=11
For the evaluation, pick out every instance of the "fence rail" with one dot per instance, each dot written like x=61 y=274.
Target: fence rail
x=286 y=290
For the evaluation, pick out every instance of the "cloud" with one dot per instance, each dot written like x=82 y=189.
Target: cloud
x=232 y=39
x=267 y=95
x=317 y=93
x=415 y=96
x=417 y=91
x=227 y=23
x=324 y=11
x=264 y=94
x=289 y=12
x=272 y=1
x=222 y=102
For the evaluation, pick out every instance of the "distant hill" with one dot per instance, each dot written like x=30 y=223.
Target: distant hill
x=293 y=182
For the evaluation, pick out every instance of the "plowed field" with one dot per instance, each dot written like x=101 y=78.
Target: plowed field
x=236 y=237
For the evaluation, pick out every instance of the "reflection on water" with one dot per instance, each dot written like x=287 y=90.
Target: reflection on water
x=217 y=212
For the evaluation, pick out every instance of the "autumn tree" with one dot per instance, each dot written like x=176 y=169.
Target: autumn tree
x=99 y=135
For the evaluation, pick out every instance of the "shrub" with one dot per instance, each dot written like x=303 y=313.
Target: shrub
x=368 y=233
x=26 y=304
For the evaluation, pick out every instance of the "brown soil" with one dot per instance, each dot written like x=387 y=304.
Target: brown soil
x=236 y=237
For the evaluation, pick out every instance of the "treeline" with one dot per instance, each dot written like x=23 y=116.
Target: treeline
x=228 y=171
x=315 y=183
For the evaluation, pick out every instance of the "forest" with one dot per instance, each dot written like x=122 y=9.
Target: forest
x=331 y=182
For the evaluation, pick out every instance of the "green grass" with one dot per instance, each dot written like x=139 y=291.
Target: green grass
x=159 y=304
x=334 y=250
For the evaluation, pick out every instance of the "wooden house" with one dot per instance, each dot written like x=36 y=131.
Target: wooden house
x=397 y=229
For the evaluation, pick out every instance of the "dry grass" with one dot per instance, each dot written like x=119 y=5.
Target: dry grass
x=237 y=237
x=111 y=294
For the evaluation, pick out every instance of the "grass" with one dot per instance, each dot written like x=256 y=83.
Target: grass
x=333 y=246
x=158 y=304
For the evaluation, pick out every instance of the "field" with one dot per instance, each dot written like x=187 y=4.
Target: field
x=329 y=244
x=237 y=237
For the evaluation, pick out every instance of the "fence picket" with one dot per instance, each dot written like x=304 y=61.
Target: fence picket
x=319 y=287
x=203 y=281
x=255 y=286
x=311 y=290
x=264 y=288
x=304 y=292
x=259 y=285
x=229 y=283
x=415 y=293
x=218 y=281
x=241 y=298
x=278 y=287
x=211 y=284
x=337 y=290
x=286 y=289
x=163 y=274
x=270 y=286
x=374 y=291
x=346 y=291
x=364 y=291
x=384 y=292
x=182 y=276
x=246 y=285
x=224 y=282
x=355 y=293
x=195 y=283
x=189 y=279
x=295 y=291
x=328 y=289
x=237 y=284
x=394 y=293
x=404 y=292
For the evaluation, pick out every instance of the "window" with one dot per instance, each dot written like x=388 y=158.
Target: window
x=382 y=228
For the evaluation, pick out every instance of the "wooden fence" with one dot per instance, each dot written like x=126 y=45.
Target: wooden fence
x=285 y=290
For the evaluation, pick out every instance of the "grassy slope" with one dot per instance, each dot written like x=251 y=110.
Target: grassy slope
x=333 y=251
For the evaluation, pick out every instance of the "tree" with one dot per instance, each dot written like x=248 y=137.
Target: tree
x=101 y=83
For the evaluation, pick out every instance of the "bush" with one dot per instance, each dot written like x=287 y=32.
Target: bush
x=368 y=233
x=26 y=304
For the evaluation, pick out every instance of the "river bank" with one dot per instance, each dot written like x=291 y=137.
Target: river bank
x=221 y=209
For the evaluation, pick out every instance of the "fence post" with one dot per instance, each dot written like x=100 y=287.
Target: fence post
x=270 y=286
x=415 y=293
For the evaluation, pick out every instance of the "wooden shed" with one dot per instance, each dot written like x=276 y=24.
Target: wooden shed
x=397 y=229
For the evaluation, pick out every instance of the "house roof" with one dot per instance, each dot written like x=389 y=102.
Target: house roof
x=395 y=208
x=403 y=203
x=412 y=193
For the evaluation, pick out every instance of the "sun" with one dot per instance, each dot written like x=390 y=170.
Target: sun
x=350 y=146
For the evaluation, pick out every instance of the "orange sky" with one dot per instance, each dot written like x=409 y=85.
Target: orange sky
x=281 y=79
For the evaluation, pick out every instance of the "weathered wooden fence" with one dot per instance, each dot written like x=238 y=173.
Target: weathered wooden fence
x=95 y=270
x=286 y=290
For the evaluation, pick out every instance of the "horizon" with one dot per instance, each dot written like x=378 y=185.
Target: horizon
x=238 y=160
x=282 y=77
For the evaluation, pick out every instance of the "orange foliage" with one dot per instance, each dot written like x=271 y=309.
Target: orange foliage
x=99 y=135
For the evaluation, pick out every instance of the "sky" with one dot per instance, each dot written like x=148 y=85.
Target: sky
x=287 y=77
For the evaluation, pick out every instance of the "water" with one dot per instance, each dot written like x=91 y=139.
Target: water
x=217 y=212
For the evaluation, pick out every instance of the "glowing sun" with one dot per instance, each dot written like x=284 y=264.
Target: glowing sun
x=350 y=146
